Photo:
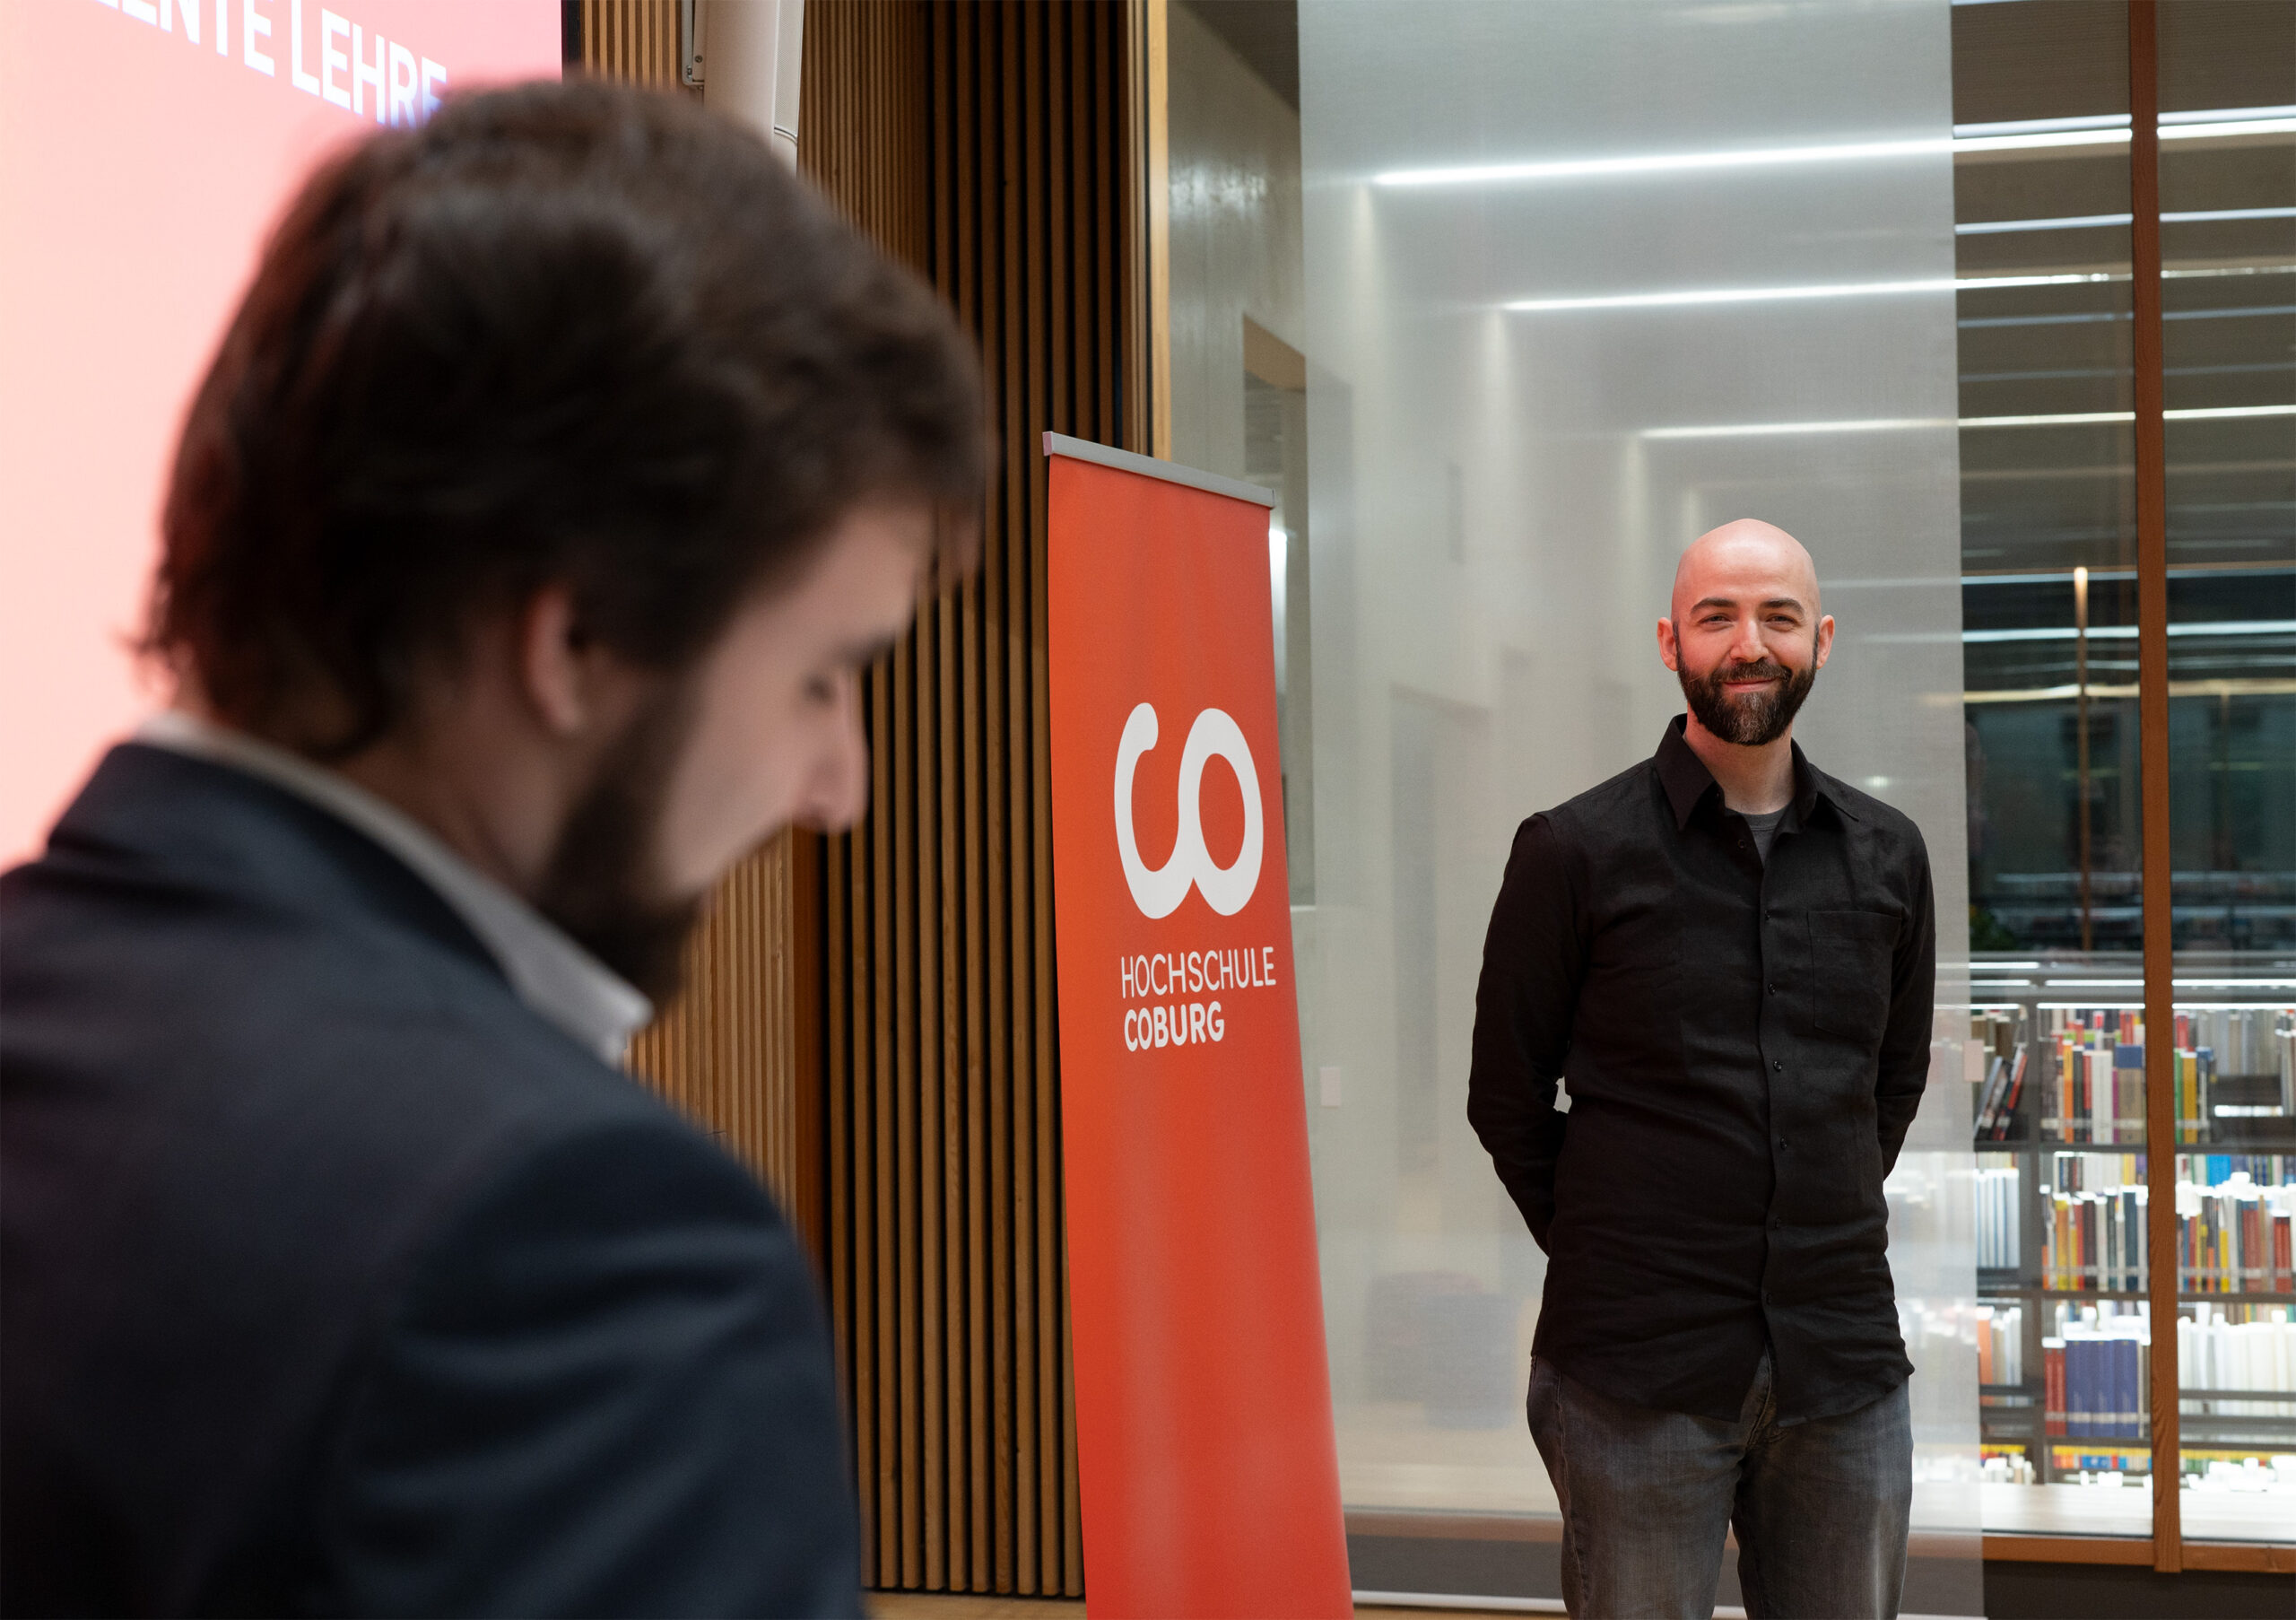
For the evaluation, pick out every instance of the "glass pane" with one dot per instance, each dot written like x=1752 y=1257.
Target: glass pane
x=2055 y=1052
x=2228 y=201
x=1523 y=398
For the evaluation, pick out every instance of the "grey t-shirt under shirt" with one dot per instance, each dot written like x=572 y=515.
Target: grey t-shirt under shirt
x=1765 y=829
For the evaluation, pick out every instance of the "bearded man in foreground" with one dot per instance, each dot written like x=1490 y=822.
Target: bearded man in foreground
x=565 y=465
x=1727 y=959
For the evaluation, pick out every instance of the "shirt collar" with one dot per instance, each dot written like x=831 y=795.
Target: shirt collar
x=1687 y=781
x=556 y=978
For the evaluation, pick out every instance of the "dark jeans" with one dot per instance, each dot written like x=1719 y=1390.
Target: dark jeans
x=1820 y=1507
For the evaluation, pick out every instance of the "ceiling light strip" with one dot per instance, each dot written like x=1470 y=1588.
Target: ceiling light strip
x=1764 y=429
x=2086 y=222
x=2027 y=134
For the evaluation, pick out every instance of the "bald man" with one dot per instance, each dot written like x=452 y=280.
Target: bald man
x=1725 y=959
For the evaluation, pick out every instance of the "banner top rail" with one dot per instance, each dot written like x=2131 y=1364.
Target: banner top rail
x=1148 y=467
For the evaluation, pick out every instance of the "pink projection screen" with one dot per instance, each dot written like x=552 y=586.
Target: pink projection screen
x=145 y=146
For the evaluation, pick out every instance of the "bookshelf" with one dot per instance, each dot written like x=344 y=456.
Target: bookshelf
x=2064 y=1180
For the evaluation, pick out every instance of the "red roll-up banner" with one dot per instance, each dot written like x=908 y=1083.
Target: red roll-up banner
x=1210 y=1475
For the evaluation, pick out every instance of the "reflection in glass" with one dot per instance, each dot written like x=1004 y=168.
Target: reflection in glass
x=2056 y=1044
x=2229 y=298
x=1533 y=374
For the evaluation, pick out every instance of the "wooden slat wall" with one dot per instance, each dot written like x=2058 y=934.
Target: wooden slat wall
x=989 y=145
x=945 y=1257
x=632 y=40
x=740 y=1049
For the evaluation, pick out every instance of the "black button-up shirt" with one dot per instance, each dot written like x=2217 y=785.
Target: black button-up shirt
x=1744 y=1045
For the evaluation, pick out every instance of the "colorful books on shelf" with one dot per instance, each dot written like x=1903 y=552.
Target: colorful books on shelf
x=2001 y=1343
x=2233 y=1234
x=1998 y=1201
x=2094 y=1240
x=2085 y=1068
x=2235 y=1237
x=2005 y=1084
x=2097 y=1383
x=2094 y=1090
x=2214 y=1352
x=2254 y=1044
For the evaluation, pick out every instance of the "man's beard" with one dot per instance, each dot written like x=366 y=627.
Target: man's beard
x=599 y=885
x=1748 y=721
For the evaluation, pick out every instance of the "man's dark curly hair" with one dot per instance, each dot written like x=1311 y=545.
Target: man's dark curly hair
x=578 y=333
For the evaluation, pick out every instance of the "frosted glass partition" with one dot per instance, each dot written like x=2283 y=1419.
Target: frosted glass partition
x=1535 y=373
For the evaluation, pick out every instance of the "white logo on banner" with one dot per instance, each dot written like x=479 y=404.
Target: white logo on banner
x=1227 y=890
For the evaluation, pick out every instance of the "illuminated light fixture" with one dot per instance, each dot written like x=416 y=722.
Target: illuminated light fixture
x=2083 y=222
x=1721 y=295
x=2227 y=115
x=1757 y=295
x=2240 y=127
x=2099 y=130
x=1966 y=283
x=1660 y=162
x=2076 y=418
x=2122 y=632
x=2218 y=412
x=1986 y=283
x=2023 y=127
x=2109 y=129
x=1962 y=146
x=2058 y=419
x=1765 y=430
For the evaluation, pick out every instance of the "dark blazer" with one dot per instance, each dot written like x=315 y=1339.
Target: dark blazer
x=334 y=1280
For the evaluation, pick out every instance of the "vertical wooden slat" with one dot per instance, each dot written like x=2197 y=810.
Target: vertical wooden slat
x=975 y=181
x=1045 y=1148
x=948 y=766
x=900 y=811
x=805 y=946
x=1026 y=1367
x=932 y=1269
x=858 y=1084
x=2152 y=745
x=1158 y=342
x=1105 y=314
x=838 y=1104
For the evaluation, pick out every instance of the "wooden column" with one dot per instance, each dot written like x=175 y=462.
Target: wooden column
x=2153 y=744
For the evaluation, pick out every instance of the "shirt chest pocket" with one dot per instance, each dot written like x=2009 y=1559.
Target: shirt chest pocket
x=1851 y=955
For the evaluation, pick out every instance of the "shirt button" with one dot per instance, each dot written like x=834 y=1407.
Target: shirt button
x=1775 y=1223
x=1772 y=989
x=1765 y=1296
x=1781 y=1141
x=1779 y=1063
